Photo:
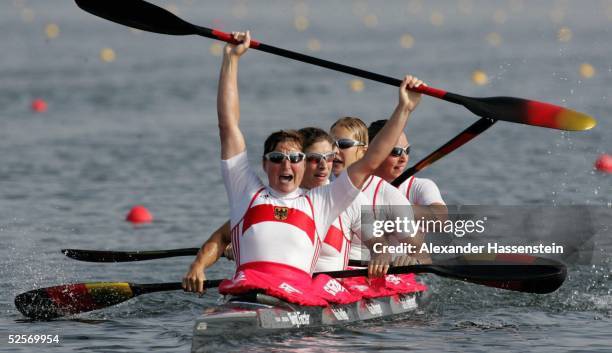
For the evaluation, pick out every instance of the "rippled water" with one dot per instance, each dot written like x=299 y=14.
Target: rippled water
x=142 y=130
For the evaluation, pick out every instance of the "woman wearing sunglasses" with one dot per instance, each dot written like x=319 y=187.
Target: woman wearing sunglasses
x=351 y=138
x=335 y=248
x=319 y=150
x=419 y=191
x=276 y=229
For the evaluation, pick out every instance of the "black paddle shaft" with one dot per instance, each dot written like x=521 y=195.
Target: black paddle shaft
x=462 y=138
x=139 y=289
x=148 y=17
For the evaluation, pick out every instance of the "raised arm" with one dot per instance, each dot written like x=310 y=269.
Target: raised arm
x=228 y=102
x=384 y=141
x=209 y=253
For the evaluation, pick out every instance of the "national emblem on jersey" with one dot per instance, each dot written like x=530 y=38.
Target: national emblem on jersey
x=281 y=213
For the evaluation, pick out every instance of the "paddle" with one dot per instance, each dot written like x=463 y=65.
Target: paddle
x=126 y=256
x=148 y=17
x=53 y=302
x=521 y=273
x=461 y=139
x=130 y=256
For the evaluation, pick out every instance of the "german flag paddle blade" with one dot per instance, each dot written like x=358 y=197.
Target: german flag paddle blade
x=525 y=111
x=53 y=302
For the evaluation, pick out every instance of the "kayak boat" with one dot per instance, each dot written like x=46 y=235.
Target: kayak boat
x=260 y=313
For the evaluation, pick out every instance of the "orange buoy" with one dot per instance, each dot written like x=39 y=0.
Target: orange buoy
x=38 y=105
x=604 y=163
x=139 y=214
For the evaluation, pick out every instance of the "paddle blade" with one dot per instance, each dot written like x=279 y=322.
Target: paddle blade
x=523 y=273
x=540 y=279
x=53 y=302
x=96 y=255
x=523 y=111
x=138 y=14
x=126 y=256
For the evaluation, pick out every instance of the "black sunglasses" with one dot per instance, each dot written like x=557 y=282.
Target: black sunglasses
x=318 y=157
x=348 y=143
x=397 y=151
x=278 y=157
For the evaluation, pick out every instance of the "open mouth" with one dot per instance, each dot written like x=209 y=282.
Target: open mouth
x=286 y=178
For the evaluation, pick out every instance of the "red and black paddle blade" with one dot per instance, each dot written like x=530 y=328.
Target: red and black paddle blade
x=138 y=14
x=53 y=302
x=524 y=111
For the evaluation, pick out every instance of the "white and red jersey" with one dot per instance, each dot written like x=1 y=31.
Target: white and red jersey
x=344 y=238
x=285 y=229
x=346 y=230
x=335 y=249
x=421 y=191
x=384 y=200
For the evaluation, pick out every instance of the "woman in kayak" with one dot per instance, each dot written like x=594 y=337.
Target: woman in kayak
x=319 y=149
x=275 y=229
x=335 y=248
x=351 y=136
x=419 y=191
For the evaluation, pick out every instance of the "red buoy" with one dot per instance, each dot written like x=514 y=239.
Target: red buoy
x=604 y=163
x=39 y=105
x=139 y=214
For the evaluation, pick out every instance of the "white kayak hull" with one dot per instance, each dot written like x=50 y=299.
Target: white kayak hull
x=259 y=313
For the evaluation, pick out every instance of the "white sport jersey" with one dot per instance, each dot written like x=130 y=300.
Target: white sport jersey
x=384 y=199
x=280 y=228
x=421 y=191
x=336 y=244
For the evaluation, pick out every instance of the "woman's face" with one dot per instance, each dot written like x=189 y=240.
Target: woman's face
x=285 y=177
x=316 y=168
x=345 y=157
x=393 y=166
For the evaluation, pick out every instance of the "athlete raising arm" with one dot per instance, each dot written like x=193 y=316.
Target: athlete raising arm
x=276 y=229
